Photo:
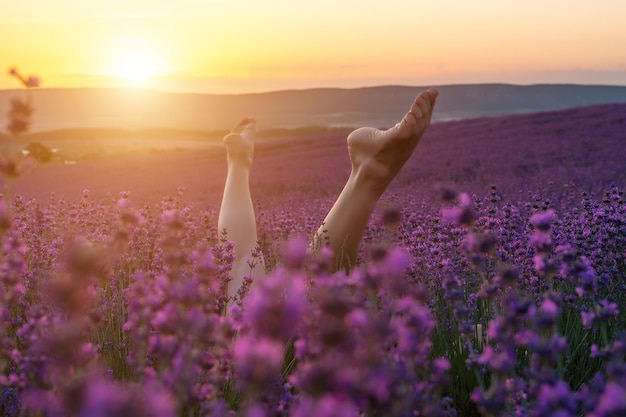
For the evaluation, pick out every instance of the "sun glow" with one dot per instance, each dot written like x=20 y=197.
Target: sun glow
x=250 y=46
x=136 y=63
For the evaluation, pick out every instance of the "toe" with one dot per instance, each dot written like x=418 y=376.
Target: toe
x=251 y=124
x=242 y=124
x=411 y=116
x=423 y=102
x=417 y=111
x=249 y=131
x=231 y=139
x=424 y=113
x=404 y=129
x=433 y=93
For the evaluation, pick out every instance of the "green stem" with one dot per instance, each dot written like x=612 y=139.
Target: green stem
x=605 y=336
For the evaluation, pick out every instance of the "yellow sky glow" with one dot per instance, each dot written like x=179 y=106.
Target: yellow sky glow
x=237 y=46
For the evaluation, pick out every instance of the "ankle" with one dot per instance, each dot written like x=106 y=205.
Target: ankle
x=371 y=180
x=238 y=166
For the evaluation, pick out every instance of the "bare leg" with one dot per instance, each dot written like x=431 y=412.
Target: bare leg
x=237 y=212
x=376 y=157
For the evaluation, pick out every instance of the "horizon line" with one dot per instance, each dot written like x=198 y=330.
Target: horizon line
x=171 y=91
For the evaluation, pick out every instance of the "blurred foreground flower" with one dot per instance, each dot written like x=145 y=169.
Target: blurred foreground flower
x=12 y=166
x=19 y=116
x=21 y=111
x=30 y=82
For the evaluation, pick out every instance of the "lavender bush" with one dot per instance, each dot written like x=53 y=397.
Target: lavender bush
x=490 y=308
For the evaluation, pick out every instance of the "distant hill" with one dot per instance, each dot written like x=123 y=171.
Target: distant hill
x=331 y=107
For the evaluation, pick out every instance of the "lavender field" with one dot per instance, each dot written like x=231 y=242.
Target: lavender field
x=491 y=281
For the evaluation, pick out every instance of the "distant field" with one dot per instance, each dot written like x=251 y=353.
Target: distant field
x=584 y=145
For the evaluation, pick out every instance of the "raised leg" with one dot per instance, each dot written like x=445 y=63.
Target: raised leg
x=237 y=212
x=376 y=156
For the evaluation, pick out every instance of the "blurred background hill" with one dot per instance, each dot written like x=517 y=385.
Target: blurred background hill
x=327 y=107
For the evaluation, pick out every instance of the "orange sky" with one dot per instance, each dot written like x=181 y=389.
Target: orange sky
x=226 y=46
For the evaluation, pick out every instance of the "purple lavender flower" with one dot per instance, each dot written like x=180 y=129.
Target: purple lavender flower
x=258 y=362
x=612 y=402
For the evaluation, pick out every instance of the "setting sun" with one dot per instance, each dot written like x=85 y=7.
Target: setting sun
x=136 y=63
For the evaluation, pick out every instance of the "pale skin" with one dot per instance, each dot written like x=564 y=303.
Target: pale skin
x=376 y=156
x=237 y=212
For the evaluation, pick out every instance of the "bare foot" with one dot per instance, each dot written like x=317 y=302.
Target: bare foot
x=377 y=155
x=240 y=142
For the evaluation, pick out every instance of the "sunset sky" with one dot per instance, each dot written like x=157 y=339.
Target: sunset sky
x=235 y=46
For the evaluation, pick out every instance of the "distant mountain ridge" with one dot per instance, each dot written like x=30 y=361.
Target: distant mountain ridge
x=333 y=107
